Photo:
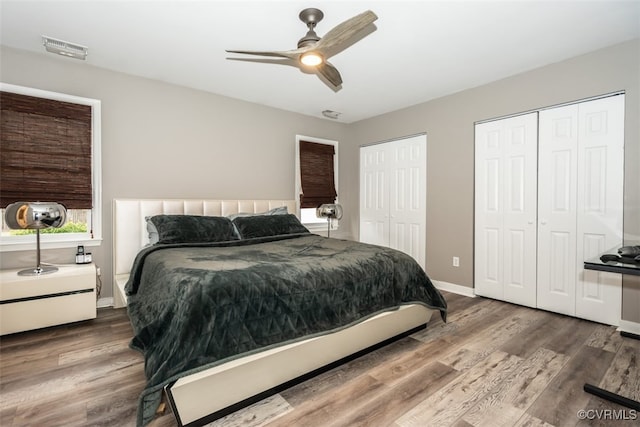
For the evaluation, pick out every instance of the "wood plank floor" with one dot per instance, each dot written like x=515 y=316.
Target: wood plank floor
x=492 y=364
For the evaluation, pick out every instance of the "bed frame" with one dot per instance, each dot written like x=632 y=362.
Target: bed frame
x=202 y=397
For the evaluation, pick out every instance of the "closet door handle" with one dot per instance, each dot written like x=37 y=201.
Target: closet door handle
x=543 y=222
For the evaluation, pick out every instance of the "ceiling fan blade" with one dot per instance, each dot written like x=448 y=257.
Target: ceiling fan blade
x=263 y=53
x=343 y=32
x=291 y=54
x=330 y=73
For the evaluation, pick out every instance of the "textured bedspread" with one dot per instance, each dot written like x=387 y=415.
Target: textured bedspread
x=195 y=306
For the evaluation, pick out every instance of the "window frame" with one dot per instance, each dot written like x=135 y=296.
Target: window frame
x=93 y=237
x=321 y=224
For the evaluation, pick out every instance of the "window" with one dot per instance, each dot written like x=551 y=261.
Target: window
x=50 y=151
x=316 y=178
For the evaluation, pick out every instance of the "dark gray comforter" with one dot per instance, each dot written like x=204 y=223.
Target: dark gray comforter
x=195 y=306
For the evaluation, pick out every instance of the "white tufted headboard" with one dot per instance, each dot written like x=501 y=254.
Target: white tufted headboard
x=130 y=230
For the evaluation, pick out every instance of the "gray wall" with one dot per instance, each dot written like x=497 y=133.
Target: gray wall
x=161 y=140
x=449 y=125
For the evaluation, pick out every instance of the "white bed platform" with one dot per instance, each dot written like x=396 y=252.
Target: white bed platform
x=199 y=398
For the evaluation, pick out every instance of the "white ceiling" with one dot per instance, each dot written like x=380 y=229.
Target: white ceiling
x=421 y=50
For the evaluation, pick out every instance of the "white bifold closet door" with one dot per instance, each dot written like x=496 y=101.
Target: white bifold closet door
x=548 y=196
x=393 y=195
x=580 y=204
x=505 y=209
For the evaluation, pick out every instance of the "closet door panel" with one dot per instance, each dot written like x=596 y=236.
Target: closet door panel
x=520 y=209
x=599 y=294
x=514 y=274
x=505 y=209
x=489 y=264
x=488 y=231
x=600 y=205
x=557 y=189
x=407 y=207
x=374 y=199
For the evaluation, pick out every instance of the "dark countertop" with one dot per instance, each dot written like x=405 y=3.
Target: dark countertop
x=596 y=263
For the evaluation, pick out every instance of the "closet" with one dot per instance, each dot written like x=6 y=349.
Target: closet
x=548 y=195
x=393 y=181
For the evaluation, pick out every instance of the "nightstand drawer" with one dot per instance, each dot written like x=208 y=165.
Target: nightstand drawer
x=67 y=278
x=31 y=302
x=40 y=313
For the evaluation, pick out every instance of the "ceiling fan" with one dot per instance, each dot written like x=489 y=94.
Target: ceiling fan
x=312 y=52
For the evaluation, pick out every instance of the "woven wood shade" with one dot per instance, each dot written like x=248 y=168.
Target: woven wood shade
x=45 y=151
x=316 y=174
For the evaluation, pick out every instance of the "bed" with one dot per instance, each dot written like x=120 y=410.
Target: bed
x=236 y=300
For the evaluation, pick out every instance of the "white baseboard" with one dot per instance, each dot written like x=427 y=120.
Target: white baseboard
x=105 y=302
x=453 y=288
x=628 y=326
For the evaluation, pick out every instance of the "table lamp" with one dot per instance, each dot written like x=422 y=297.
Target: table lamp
x=329 y=211
x=35 y=216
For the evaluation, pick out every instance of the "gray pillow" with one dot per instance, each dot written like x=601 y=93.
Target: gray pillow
x=192 y=228
x=249 y=227
x=280 y=210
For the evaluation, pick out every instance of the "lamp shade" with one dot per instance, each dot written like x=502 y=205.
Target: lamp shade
x=35 y=215
x=329 y=210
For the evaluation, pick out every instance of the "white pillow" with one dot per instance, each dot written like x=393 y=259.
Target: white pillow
x=154 y=237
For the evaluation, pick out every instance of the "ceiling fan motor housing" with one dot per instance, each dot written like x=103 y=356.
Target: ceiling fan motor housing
x=310 y=16
x=310 y=38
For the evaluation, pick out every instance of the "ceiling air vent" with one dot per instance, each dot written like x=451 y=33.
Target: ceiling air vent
x=331 y=114
x=61 y=47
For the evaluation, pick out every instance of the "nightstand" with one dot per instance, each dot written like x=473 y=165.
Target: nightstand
x=32 y=302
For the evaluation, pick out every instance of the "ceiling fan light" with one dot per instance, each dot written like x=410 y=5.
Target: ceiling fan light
x=311 y=59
